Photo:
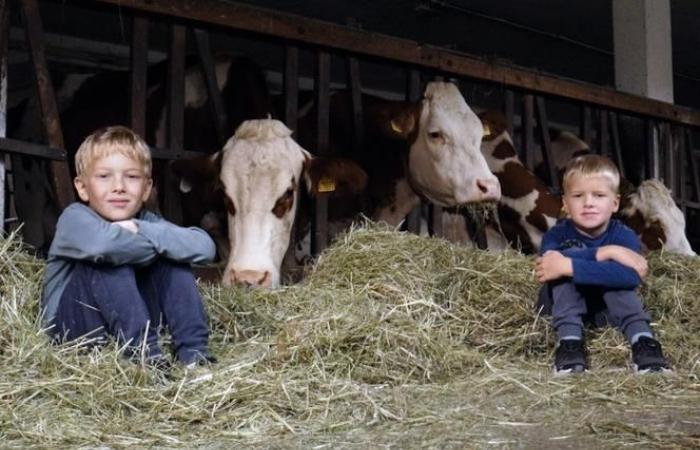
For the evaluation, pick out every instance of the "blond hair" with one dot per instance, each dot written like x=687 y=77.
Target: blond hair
x=108 y=141
x=593 y=165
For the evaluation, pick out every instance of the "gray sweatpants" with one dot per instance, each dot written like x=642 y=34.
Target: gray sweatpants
x=570 y=303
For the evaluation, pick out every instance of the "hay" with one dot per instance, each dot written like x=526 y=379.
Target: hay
x=392 y=339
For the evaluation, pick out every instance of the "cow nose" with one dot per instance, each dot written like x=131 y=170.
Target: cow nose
x=490 y=189
x=252 y=278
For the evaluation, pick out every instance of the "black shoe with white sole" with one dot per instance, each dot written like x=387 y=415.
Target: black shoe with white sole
x=648 y=357
x=570 y=357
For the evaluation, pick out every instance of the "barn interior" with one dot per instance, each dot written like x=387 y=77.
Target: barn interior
x=566 y=40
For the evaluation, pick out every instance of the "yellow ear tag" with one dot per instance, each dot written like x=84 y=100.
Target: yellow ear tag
x=396 y=128
x=487 y=130
x=326 y=184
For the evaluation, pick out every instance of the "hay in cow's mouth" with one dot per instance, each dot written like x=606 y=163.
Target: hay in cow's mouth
x=392 y=340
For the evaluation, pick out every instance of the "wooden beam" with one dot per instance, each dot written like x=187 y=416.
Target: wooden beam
x=139 y=68
x=312 y=31
x=60 y=176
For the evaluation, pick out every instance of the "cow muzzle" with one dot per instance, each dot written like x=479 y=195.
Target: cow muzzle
x=251 y=278
x=488 y=189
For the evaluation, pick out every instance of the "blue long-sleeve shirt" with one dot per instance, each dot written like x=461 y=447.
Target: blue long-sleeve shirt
x=83 y=235
x=565 y=238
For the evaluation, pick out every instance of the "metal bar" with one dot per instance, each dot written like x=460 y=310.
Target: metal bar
x=4 y=12
x=60 y=176
x=528 y=132
x=221 y=122
x=509 y=107
x=603 y=134
x=586 y=126
x=29 y=148
x=139 y=68
x=413 y=93
x=291 y=86
x=692 y=164
x=322 y=85
x=312 y=31
x=547 y=145
x=172 y=207
x=616 y=147
x=355 y=85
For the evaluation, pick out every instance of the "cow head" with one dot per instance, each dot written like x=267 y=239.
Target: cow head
x=259 y=172
x=445 y=161
x=652 y=213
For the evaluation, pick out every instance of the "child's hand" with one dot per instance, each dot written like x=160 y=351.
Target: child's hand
x=624 y=256
x=128 y=225
x=552 y=265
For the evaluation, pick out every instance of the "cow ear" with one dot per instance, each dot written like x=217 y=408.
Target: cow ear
x=199 y=170
x=338 y=177
x=494 y=122
x=394 y=120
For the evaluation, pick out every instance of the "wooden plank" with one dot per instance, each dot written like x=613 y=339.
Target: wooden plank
x=223 y=129
x=528 y=126
x=322 y=87
x=139 y=67
x=172 y=207
x=60 y=176
x=312 y=31
x=291 y=86
x=413 y=94
x=547 y=156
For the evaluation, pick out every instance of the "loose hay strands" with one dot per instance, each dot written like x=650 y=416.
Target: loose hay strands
x=392 y=339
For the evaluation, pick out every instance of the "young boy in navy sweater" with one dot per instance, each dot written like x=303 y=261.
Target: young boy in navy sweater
x=114 y=269
x=589 y=257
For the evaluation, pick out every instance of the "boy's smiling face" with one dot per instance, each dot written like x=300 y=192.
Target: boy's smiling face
x=115 y=186
x=590 y=202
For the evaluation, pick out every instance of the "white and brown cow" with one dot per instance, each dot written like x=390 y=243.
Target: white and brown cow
x=528 y=209
x=428 y=149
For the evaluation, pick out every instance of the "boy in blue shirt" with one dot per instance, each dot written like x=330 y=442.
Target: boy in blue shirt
x=114 y=269
x=589 y=257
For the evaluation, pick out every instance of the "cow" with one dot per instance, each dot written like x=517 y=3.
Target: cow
x=427 y=149
x=528 y=209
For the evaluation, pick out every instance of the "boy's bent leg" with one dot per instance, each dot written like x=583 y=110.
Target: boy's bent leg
x=171 y=291
x=626 y=310
x=104 y=299
x=568 y=308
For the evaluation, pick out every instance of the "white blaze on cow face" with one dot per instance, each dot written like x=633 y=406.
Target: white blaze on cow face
x=445 y=160
x=260 y=171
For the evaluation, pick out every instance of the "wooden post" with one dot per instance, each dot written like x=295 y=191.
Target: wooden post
x=221 y=122
x=616 y=146
x=322 y=83
x=60 y=175
x=413 y=93
x=355 y=86
x=291 y=86
x=603 y=133
x=139 y=68
x=692 y=164
x=586 y=125
x=509 y=108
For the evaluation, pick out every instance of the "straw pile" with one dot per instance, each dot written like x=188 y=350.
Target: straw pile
x=392 y=339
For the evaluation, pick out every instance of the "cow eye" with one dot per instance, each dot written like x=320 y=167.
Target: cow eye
x=284 y=203
x=434 y=134
x=230 y=207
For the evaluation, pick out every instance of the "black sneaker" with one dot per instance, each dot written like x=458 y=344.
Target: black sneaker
x=570 y=357
x=647 y=356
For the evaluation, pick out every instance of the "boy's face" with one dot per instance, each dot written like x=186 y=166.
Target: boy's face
x=115 y=186
x=590 y=202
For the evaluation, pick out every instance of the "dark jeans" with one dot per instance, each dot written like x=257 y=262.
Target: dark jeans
x=132 y=304
x=572 y=305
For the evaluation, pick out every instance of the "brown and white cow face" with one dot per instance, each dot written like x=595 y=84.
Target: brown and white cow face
x=445 y=161
x=261 y=168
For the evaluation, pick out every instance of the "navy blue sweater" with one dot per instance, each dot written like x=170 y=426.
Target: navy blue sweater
x=565 y=238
